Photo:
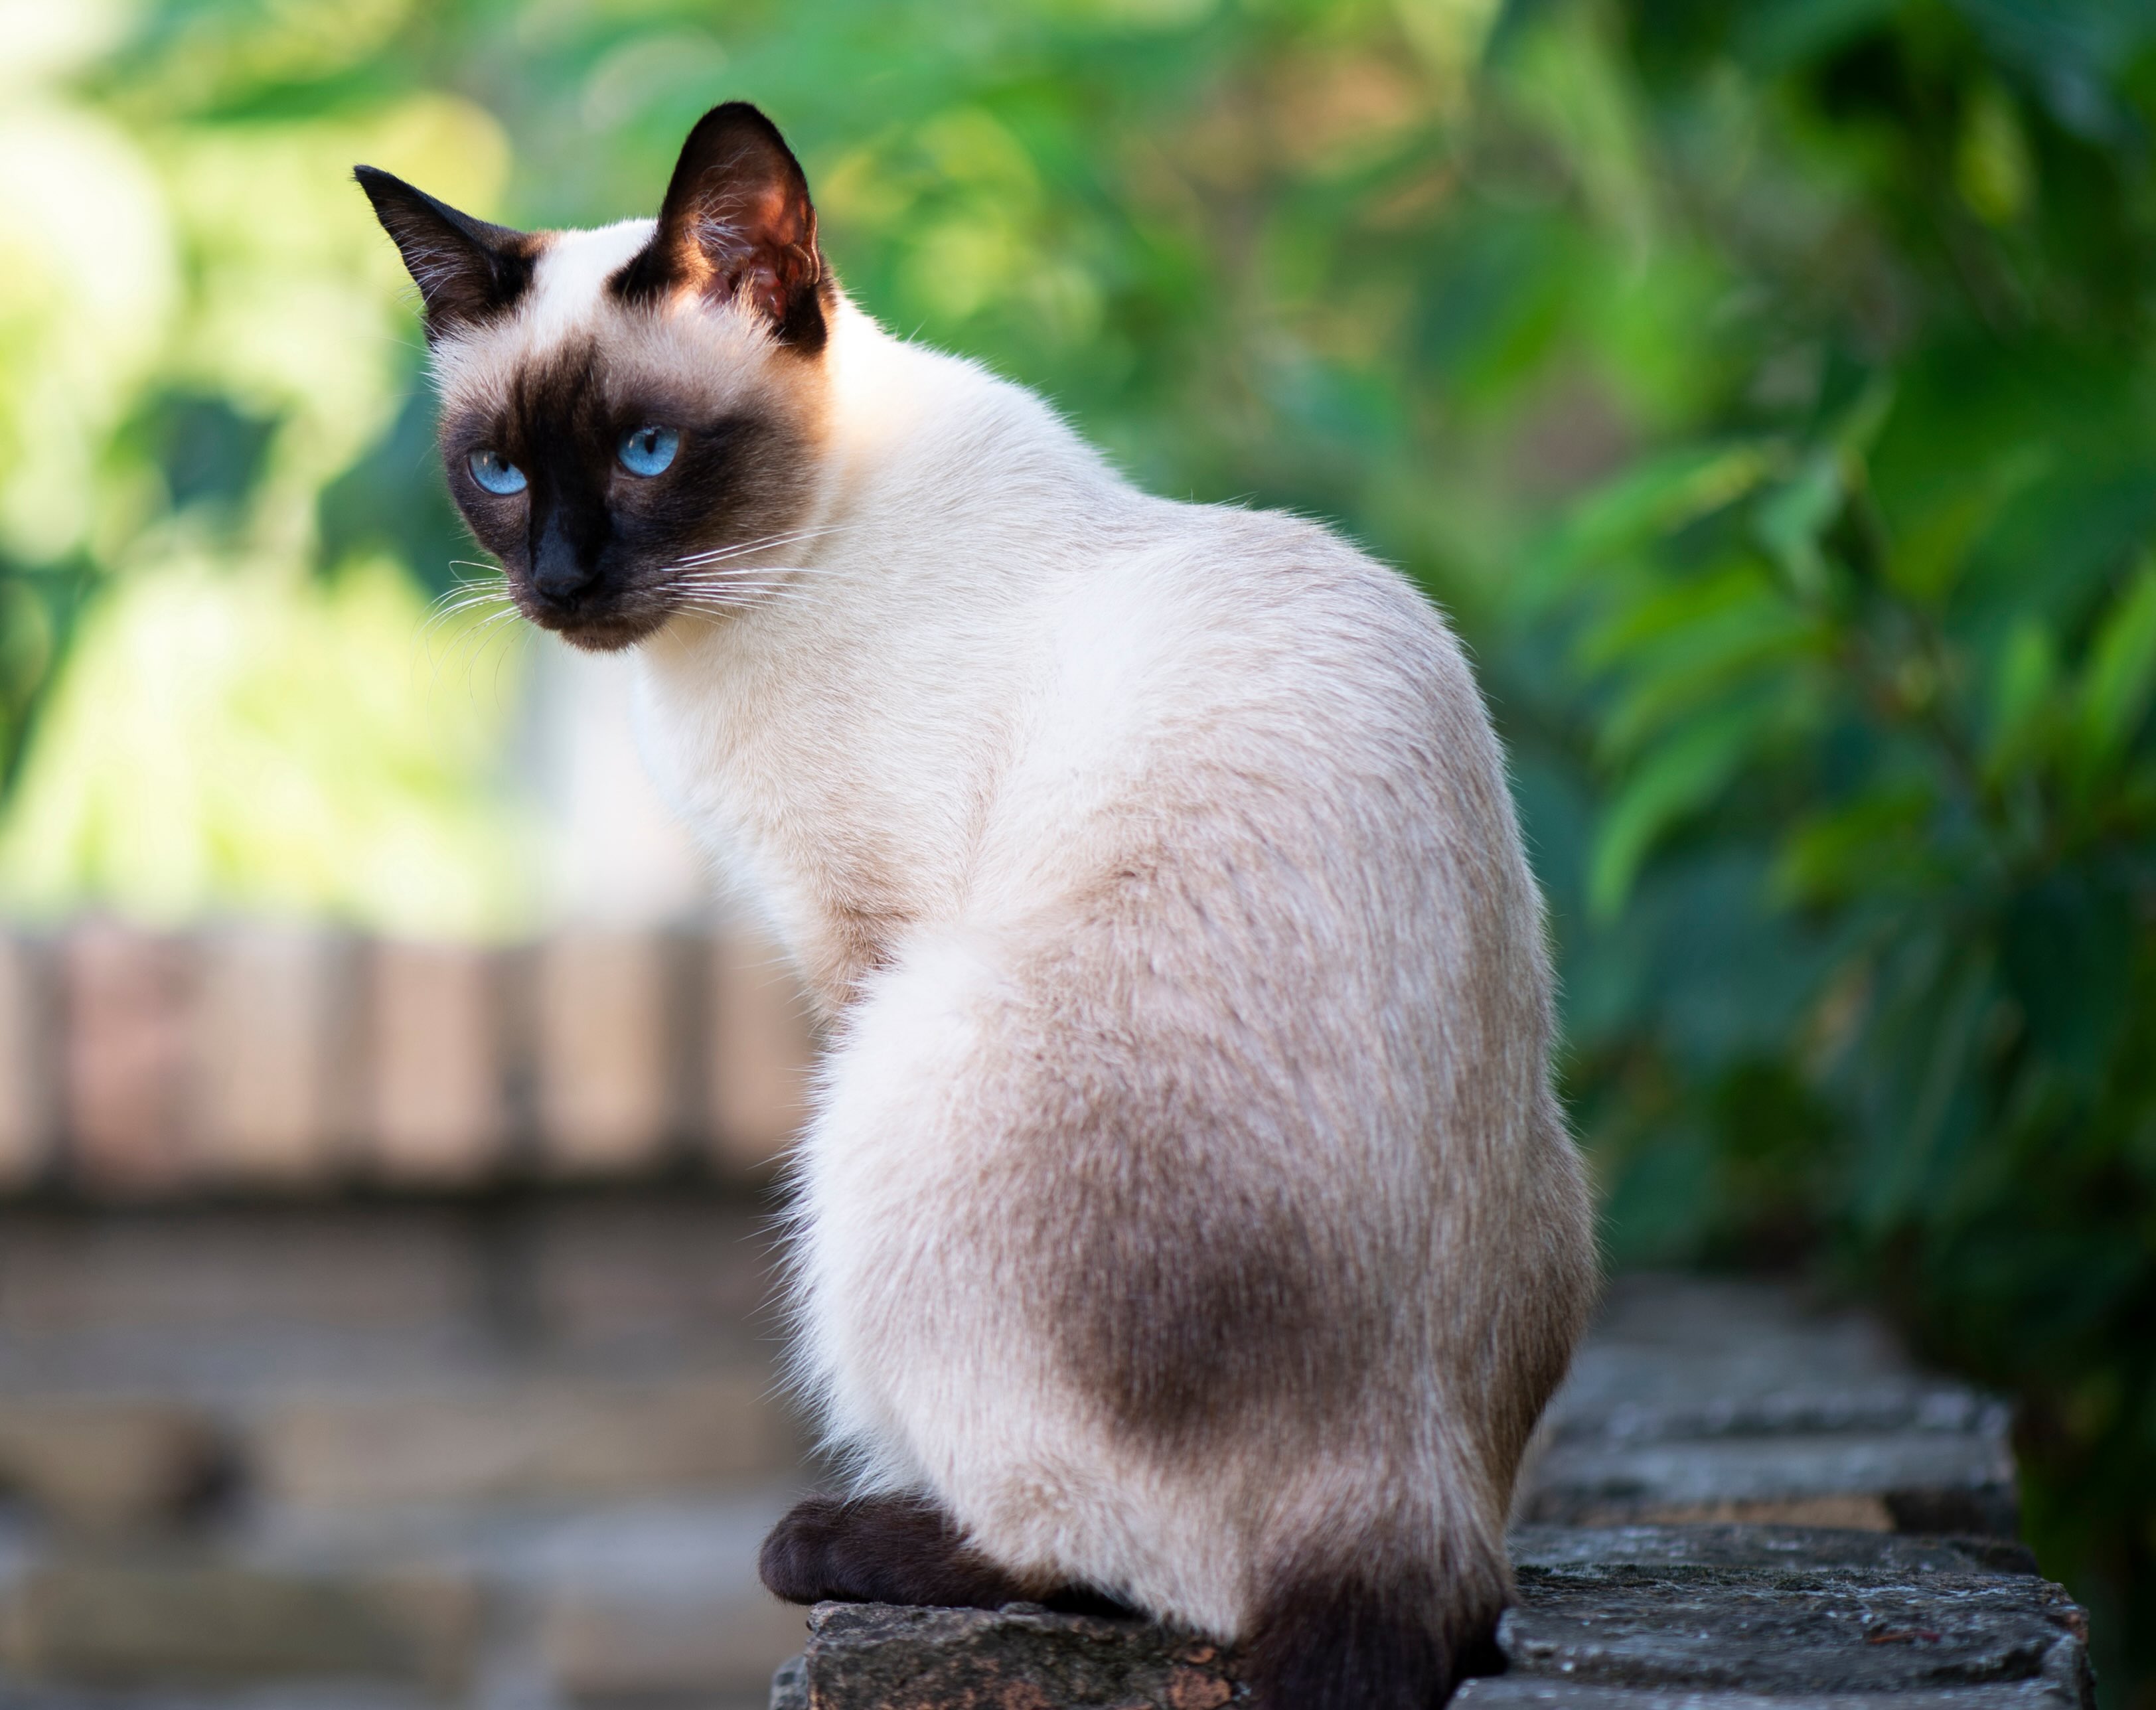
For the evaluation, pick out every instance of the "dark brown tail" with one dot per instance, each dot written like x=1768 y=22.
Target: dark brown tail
x=1350 y=1642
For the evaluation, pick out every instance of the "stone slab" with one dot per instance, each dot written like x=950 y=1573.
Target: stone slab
x=1673 y=1552
x=1877 y=1480
x=1681 y=1356
x=1731 y=1634
x=1656 y=1618
x=1529 y=1692
x=789 y=1684
x=867 y=1657
x=1699 y=1400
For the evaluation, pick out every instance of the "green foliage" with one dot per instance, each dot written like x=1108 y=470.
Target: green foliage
x=213 y=690
x=1767 y=388
x=1860 y=663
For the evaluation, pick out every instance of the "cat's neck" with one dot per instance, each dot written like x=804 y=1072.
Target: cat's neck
x=912 y=429
x=840 y=746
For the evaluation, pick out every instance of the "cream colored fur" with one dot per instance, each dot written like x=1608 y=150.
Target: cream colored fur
x=1097 y=823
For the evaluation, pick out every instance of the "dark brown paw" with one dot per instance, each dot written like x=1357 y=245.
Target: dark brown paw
x=885 y=1549
x=796 y=1560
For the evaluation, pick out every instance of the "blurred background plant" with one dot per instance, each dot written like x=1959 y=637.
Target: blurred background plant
x=1766 y=388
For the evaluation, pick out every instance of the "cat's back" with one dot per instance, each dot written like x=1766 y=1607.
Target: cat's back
x=1259 y=768
x=1248 y=656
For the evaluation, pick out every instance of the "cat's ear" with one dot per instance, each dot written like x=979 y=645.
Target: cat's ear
x=738 y=226
x=467 y=271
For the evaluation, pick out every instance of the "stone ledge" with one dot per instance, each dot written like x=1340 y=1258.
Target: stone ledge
x=1700 y=1401
x=861 y=1655
x=1525 y=1693
x=1737 y=1633
x=1671 y=1551
x=1639 y=1618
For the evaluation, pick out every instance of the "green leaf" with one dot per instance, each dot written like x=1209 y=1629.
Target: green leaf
x=1651 y=500
x=1922 y=1036
x=1663 y=610
x=1740 y=647
x=1876 y=842
x=1993 y=166
x=1674 y=781
x=1928 y=556
x=1859 y=427
x=1791 y=519
x=2022 y=696
x=2067 y=953
x=2119 y=680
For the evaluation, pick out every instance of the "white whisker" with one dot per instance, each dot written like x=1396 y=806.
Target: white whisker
x=479 y=638
x=473 y=637
x=454 y=617
x=691 y=573
x=741 y=549
x=442 y=618
x=731 y=578
x=740 y=589
x=468 y=589
x=445 y=608
x=816 y=531
x=746 y=601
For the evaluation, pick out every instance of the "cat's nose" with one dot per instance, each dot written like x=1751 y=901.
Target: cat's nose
x=558 y=569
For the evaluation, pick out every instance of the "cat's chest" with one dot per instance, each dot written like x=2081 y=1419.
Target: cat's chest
x=847 y=822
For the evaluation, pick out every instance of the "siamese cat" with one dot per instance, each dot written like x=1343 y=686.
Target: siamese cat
x=1186 y=1223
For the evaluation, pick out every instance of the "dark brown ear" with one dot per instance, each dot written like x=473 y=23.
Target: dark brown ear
x=467 y=271
x=737 y=224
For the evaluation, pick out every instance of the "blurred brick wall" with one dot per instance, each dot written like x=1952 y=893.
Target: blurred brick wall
x=289 y=1392
x=257 y=1057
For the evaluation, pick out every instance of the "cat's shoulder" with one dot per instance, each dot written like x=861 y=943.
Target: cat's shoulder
x=1261 y=563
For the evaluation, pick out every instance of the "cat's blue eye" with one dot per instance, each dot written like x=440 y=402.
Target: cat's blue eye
x=646 y=451
x=495 y=472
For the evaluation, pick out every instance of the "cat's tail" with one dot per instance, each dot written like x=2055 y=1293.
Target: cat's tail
x=1370 y=1638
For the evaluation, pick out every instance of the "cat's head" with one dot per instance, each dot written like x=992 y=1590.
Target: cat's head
x=626 y=411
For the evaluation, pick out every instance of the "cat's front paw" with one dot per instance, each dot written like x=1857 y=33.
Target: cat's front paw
x=891 y=1548
x=796 y=1561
